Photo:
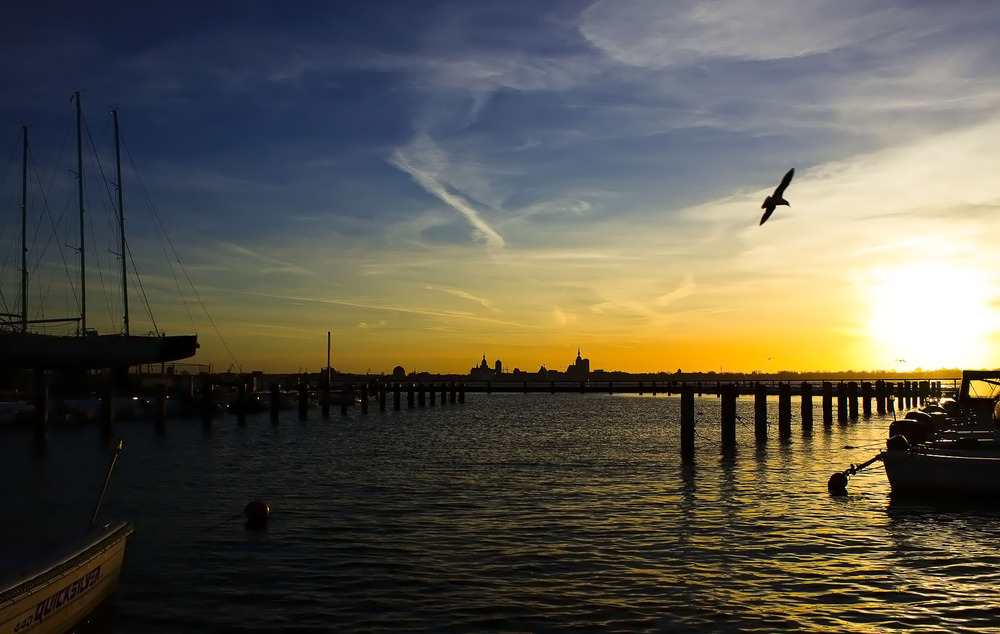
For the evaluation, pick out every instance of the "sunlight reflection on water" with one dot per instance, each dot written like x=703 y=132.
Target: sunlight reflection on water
x=511 y=512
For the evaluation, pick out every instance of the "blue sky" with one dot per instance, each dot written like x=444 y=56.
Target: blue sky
x=435 y=181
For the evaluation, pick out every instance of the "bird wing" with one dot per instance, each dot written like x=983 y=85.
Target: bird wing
x=767 y=214
x=784 y=183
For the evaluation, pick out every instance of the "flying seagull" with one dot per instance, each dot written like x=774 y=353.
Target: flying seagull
x=775 y=199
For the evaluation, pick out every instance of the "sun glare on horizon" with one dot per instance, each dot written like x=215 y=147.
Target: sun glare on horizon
x=931 y=315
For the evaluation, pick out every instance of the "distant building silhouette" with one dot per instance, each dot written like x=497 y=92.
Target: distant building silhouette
x=580 y=368
x=398 y=373
x=483 y=372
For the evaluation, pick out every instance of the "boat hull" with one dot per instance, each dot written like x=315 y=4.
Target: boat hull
x=60 y=592
x=33 y=350
x=943 y=472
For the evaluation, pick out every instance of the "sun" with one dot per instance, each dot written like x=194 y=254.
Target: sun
x=931 y=315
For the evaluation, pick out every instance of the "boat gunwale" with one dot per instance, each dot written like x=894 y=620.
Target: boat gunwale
x=53 y=570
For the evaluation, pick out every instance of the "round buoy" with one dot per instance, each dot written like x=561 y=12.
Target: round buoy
x=257 y=514
x=837 y=484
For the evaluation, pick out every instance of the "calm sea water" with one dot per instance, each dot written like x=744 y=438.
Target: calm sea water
x=508 y=513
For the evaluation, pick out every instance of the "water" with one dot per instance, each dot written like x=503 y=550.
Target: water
x=509 y=513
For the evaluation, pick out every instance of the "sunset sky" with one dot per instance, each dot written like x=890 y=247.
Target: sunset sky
x=435 y=181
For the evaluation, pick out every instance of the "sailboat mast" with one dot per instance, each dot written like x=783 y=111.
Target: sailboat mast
x=83 y=259
x=24 y=232
x=121 y=221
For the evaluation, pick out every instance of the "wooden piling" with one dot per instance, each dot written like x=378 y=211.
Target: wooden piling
x=687 y=424
x=461 y=393
x=433 y=394
x=453 y=394
x=303 y=399
x=852 y=399
x=728 y=395
x=866 y=398
x=381 y=397
x=41 y=403
x=324 y=407
x=160 y=408
x=842 y=402
x=422 y=395
x=409 y=395
x=346 y=398
x=880 y=396
x=364 y=398
x=807 y=406
x=108 y=409
x=784 y=410
x=275 y=402
x=760 y=411
x=640 y=388
x=207 y=401
x=396 y=396
x=827 y=403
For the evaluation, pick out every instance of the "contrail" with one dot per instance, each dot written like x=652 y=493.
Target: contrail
x=420 y=168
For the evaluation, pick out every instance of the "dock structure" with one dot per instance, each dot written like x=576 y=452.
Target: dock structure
x=212 y=396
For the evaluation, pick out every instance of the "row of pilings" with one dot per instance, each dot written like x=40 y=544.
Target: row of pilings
x=847 y=397
x=205 y=397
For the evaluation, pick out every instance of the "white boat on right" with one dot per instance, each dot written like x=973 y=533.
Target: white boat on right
x=947 y=448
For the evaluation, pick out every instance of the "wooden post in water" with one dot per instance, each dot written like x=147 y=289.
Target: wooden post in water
x=807 y=406
x=409 y=395
x=687 y=424
x=784 y=410
x=275 y=402
x=241 y=401
x=827 y=403
x=453 y=396
x=364 y=398
x=160 y=411
x=207 y=401
x=433 y=392
x=346 y=398
x=640 y=388
x=444 y=393
x=852 y=398
x=108 y=408
x=381 y=397
x=907 y=396
x=842 y=402
x=303 y=398
x=461 y=393
x=396 y=396
x=880 y=396
x=41 y=403
x=421 y=395
x=760 y=411
x=728 y=395
x=901 y=401
x=866 y=398
x=654 y=388
x=325 y=405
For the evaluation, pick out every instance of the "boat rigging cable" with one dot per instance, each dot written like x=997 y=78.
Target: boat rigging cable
x=166 y=241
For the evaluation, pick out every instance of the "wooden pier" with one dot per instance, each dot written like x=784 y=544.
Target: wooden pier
x=209 y=397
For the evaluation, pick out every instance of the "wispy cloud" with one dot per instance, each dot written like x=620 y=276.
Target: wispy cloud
x=482 y=301
x=424 y=161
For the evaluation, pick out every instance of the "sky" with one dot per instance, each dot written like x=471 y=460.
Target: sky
x=431 y=182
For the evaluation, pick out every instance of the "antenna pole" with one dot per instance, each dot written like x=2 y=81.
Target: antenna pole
x=121 y=222
x=24 y=233
x=83 y=258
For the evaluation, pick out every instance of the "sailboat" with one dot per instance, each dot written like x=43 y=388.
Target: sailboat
x=22 y=348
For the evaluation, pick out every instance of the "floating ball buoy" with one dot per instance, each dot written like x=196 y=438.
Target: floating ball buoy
x=257 y=514
x=837 y=484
